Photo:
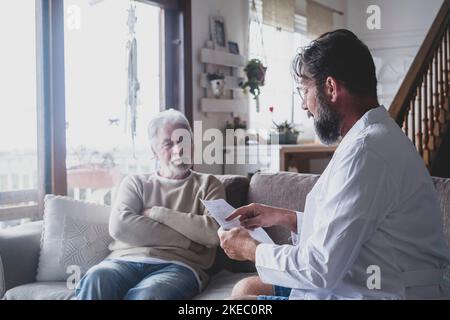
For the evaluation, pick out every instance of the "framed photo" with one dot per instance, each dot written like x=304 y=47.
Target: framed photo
x=218 y=33
x=233 y=47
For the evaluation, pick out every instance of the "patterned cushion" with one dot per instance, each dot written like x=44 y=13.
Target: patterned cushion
x=75 y=233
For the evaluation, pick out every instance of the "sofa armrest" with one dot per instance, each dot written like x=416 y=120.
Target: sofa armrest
x=19 y=255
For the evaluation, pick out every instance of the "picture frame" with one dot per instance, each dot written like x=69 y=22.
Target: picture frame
x=218 y=32
x=233 y=47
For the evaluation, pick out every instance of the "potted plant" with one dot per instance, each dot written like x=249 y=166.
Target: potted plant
x=286 y=133
x=256 y=73
x=217 y=83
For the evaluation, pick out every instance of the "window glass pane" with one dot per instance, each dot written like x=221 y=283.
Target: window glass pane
x=276 y=49
x=18 y=116
x=99 y=144
x=18 y=145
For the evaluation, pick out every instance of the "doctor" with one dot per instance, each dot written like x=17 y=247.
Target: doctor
x=371 y=227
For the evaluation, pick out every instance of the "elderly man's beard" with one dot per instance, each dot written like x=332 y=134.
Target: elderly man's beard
x=181 y=164
x=327 y=121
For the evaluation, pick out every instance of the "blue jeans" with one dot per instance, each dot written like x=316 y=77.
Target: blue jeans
x=117 y=280
x=281 y=293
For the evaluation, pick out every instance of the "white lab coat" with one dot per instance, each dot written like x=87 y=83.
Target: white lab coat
x=374 y=208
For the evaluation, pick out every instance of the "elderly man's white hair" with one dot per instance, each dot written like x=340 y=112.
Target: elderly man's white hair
x=170 y=116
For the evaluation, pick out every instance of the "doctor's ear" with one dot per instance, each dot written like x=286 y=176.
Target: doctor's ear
x=331 y=88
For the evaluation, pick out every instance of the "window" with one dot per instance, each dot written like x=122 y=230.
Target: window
x=18 y=116
x=277 y=48
x=64 y=91
x=99 y=147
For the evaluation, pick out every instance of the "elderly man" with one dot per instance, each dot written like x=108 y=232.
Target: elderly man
x=371 y=227
x=164 y=239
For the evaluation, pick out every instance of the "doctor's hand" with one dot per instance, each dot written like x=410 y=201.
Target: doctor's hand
x=257 y=215
x=238 y=244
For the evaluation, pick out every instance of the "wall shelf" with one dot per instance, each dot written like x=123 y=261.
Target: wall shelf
x=230 y=65
x=231 y=82
x=222 y=58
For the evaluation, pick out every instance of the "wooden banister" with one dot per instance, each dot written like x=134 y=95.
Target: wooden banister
x=422 y=104
x=420 y=64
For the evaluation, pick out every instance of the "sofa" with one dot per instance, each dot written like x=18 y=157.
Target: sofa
x=20 y=246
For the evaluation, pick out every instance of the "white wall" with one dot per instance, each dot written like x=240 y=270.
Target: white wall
x=404 y=25
x=235 y=13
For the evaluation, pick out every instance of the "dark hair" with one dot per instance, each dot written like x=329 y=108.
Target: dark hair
x=341 y=55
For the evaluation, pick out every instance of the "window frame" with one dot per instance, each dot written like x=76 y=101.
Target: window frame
x=50 y=81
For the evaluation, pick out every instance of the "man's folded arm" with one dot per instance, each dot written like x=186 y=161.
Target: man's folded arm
x=200 y=228
x=128 y=225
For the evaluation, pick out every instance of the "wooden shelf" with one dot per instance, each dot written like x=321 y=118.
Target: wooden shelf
x=222 y=58
x=231 y=83
x=222 y=105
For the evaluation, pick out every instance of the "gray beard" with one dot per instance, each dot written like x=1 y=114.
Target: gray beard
x=327 y=123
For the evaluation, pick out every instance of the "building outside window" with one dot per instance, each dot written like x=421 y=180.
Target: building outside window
x=18 y=115
x=98 y=133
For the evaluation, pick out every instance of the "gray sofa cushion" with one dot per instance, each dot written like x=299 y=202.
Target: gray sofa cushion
x=219 y=288
x=236 y=189
x=19 y=251
x=221 y=285
x=40 y=291
x=284 y=190
x=443 y=188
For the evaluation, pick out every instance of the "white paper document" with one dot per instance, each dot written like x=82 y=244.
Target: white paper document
x=220 y=209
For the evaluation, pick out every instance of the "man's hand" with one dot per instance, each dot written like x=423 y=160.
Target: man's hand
x=146 y=212
x=238 y=244
x=256 y=215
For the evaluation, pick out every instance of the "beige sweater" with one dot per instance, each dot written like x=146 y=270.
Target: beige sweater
x=176 y=218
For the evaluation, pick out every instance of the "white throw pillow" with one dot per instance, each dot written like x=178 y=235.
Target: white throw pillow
x=75 y=233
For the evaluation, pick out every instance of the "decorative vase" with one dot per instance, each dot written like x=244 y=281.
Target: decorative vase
x=217 y=87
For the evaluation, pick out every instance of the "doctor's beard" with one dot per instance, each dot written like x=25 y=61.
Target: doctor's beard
x=327 y=122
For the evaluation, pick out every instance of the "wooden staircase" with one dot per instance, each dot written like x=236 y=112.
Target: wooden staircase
x=422 y=104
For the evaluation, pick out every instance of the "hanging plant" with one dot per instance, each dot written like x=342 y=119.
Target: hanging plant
x=256 y=73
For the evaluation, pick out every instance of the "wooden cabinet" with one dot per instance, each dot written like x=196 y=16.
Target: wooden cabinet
x=303 y=158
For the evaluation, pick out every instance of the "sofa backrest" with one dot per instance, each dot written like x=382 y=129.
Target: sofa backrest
x=443 y=189
x=284 y=190
x=236 y=189
x=289 y=190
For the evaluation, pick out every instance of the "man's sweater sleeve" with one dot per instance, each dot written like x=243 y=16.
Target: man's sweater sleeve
x=128 y=225
x=200 y=228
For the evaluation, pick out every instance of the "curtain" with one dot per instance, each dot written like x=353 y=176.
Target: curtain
x=320 y=19
x=279 y=14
